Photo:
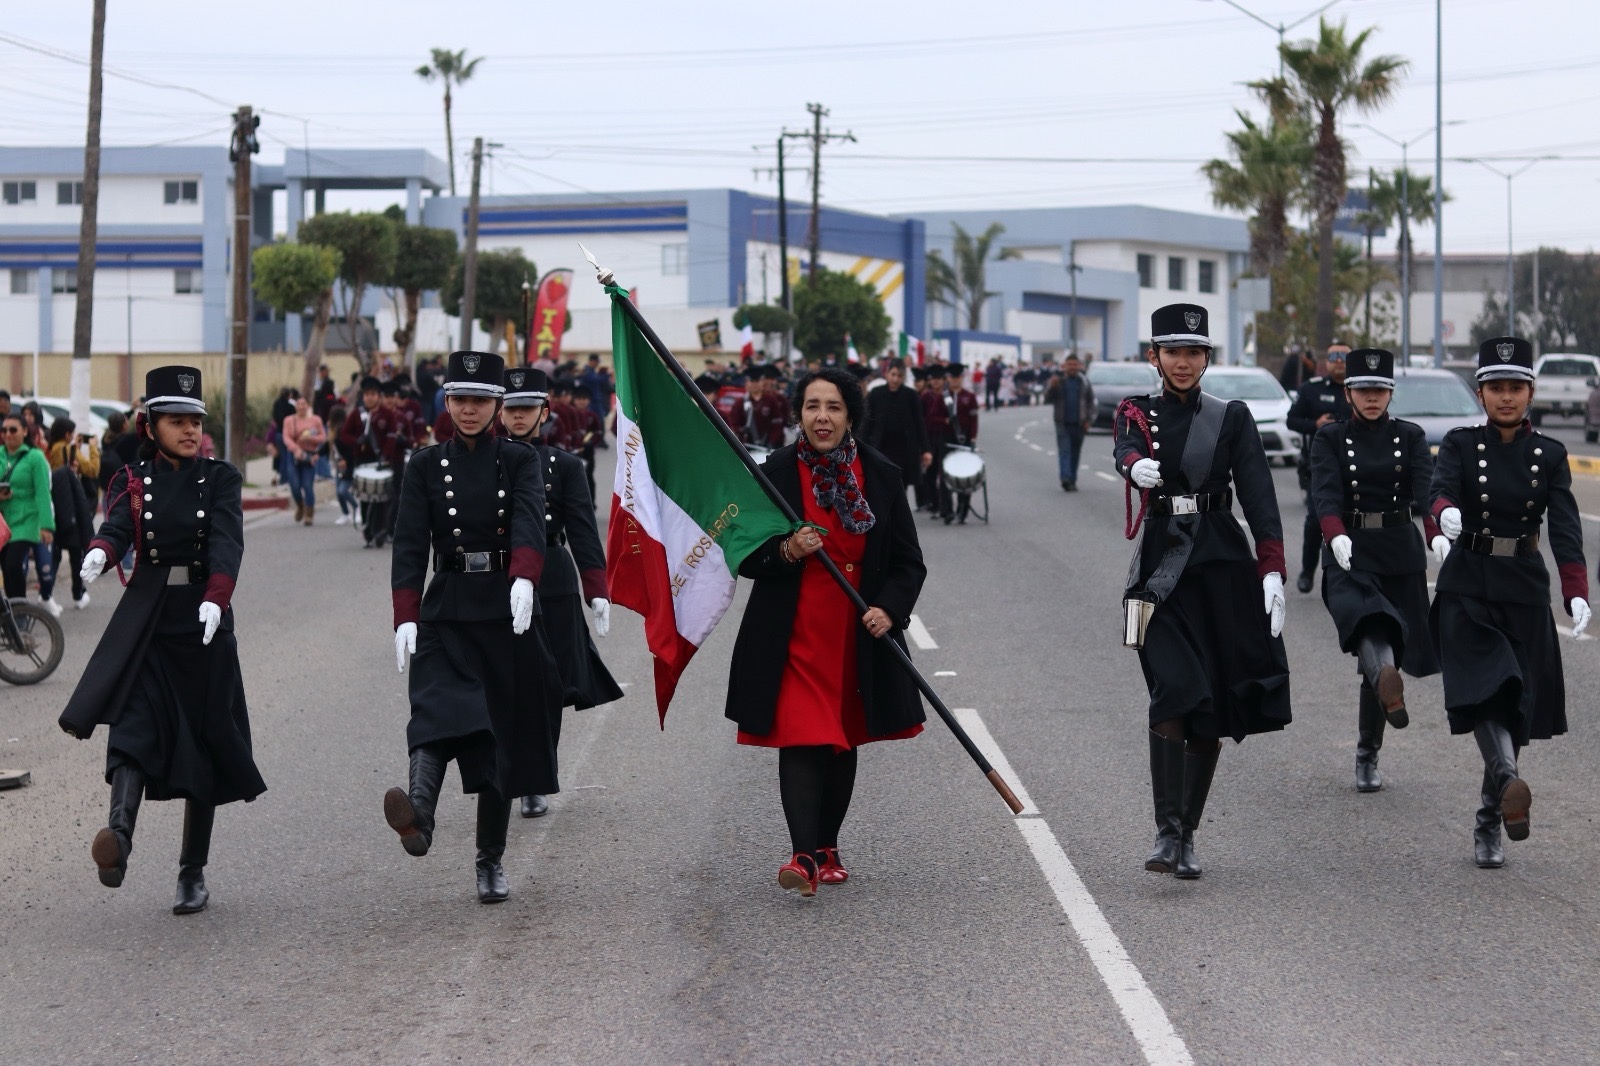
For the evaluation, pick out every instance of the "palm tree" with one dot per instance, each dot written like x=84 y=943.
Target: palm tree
x=1325 y=77
x=1408 y=197
x=961 y=283
x=451 y=68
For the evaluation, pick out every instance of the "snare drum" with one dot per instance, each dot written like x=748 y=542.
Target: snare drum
x=373 y=483
x=963 y=470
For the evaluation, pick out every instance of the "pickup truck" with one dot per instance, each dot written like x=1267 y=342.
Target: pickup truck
x=1561 y=384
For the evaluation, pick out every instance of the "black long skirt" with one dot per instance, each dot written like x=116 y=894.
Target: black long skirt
x=1392 y=606
x=1210 y=658
x=585 y=681
x=184 y=722
x=490 y=700
x=1502 y=662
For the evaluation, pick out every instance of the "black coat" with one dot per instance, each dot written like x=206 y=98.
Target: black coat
x=896 y=428
x=569 y=524
x=892 y=573
x=1376 y=466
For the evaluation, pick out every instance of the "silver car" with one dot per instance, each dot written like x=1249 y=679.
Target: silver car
x=1436 y=400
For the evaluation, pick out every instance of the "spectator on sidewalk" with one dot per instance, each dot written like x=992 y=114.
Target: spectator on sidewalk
x=74 y=525
x=303 y=436
x=24 y=504
x=344 y=466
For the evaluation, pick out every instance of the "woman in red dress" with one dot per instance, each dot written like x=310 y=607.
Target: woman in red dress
x=810 y=676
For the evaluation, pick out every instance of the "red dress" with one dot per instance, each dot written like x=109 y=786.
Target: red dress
x=819 y=701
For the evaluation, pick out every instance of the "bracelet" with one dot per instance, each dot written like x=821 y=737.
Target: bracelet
x=783 y=550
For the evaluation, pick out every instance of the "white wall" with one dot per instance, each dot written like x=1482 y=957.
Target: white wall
x=124 y=199
x=636 y=258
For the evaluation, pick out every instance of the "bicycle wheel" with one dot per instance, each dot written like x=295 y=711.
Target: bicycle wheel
x=31 y=643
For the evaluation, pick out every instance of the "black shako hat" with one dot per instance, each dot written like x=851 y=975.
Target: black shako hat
x=1180 y=326
x=526 y=387
x=475 y=374
x=1505 y=357
x=1369 y=368
x=174 y=390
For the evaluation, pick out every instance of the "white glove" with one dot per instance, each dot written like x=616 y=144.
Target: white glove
x=405 y=644
x=521 y=605
x=1450 y=522
x=1580 y=614
x=211 y=618
x=602 y=615
x=94 y=564
x=1441 y=547
x=1341 y=548
x=1272 y=585
x=1146 y=473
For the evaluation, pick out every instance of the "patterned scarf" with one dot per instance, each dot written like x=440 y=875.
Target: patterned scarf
x=834 y=483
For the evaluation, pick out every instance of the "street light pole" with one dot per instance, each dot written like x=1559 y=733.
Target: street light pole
x=1279 y=28
x=1438 y=183
x=1511 y=261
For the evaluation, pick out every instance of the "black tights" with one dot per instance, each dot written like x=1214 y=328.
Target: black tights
x=816 y=783
x=1172 y=729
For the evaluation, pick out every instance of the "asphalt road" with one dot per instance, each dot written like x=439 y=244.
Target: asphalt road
x=645 y=924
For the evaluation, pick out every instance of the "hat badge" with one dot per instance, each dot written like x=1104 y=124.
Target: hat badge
x=1372 y=361
x=186 y=382
x=1505 y=350
x=1191 y=319
x=471 y=362
x=516 y=379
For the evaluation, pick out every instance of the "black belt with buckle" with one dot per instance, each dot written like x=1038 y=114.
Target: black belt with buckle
x=186 y=574
x=1194 y=504
x=1501 y=546
x=1377 y=519
x=471 y=562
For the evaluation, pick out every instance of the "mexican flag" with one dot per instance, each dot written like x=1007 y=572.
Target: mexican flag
x=850 y=353
x=910 y=349
x=685 y=511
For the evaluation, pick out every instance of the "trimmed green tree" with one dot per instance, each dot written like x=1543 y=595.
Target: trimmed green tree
x=367 y=247
x=424 y=259
x=294 y=278
x=765 y=319
x=499 y=292
x=836 y=304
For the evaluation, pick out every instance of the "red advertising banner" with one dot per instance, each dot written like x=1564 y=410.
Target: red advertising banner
x=550 y=315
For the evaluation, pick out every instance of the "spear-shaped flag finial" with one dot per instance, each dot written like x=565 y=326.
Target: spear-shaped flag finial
x=604 y=276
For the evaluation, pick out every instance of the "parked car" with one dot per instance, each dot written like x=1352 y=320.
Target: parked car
x=55 y=407
x=1561 y=384
x=1115 y=382
x=1591 y=416
x=1260 y=391
x=1436 y=400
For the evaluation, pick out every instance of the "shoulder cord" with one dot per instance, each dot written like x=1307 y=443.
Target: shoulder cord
x=132 y=495
x=1129 y=411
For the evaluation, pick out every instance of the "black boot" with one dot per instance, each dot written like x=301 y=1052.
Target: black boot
x=1166 y=786
x=535 y=806
x=494 y=816
x=1369 y=738
x=113 y=844
x=1198 y=769
x=197 y=821
x=1500 y=762
x=1486 y=847
x=1376 y=657
x=411 y=814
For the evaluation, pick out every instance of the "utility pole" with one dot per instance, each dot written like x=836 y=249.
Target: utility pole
x=243 y=147
x=88 y=230
x=469 y=285
x=1538 y=323
x=783 y=238
x=818 y=138
x=1072 y=271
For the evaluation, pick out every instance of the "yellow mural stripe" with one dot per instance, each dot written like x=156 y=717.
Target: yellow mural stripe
x=859 y=265
x=891 y=288
x=883 y=268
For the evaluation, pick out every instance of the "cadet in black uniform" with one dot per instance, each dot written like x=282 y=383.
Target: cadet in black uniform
x=1492 y=486
x=1317 y=402
x=566 y=586
x=1212 y=656
x=482 y=692
x=165 y=675
x=1371 y=475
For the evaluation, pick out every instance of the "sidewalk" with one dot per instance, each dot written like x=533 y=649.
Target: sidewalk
x=261 y=494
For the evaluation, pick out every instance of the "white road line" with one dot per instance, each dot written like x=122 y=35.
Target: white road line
x=1589 y=517
x=944 y=673
x=1037 y=447
x=919 y=634
x=1143 y=1013
x=1108 y=477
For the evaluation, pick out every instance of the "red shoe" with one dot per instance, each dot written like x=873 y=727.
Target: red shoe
x=799 y=872
x=830 y=871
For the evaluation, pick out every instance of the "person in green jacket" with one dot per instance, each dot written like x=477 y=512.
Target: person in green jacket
x=24 y=502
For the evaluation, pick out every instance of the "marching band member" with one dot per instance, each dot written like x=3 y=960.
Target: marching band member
x=566 y=585
x=1316 y=403
x=482 y=692
x=1370 y=474
x=165 y=675
x=1211 y=654
x=1492 y=487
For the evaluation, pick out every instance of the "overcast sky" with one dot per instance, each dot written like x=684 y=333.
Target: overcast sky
x=954 y=105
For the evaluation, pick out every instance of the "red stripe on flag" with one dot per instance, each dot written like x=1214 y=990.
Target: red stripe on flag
x=636 y=570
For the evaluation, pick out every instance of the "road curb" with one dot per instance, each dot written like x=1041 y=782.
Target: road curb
x=1583 y=464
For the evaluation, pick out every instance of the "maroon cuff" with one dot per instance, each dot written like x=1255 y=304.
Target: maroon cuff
x=594 y=585
x=219 y=590
x=525 y=562
x=105 y=546
x=1269 y=558
x=1332 y=526
x=1430 y=529
x=1440 y=505
x=1574 y=583
x=407 y=606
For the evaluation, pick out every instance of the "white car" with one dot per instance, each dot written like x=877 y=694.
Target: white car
x=1267 y=401
x=1561 y=384
x=55 y=407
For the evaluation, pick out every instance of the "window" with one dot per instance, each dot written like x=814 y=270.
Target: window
x=1208 y=275
x=186 y=281
x=24 y=282
x=1147 y=271
x=64 y=279
x=69 y=192
x=1175 y=273
x=182 y=192
x=674 y=259
x=19 y=192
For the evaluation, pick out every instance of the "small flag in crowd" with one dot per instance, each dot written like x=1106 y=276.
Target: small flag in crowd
x=850 y=353
x=747 y=341
x=911 y=349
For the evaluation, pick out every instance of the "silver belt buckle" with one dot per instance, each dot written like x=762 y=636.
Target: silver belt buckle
x=475 y=562
x=177 y=575
x=1370 y=520
x=1503 y=546
x=1184 y=504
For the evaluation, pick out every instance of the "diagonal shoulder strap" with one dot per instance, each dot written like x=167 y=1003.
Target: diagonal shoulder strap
x=1201 y=446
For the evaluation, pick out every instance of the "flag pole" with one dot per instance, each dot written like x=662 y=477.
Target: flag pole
x=607 y=278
